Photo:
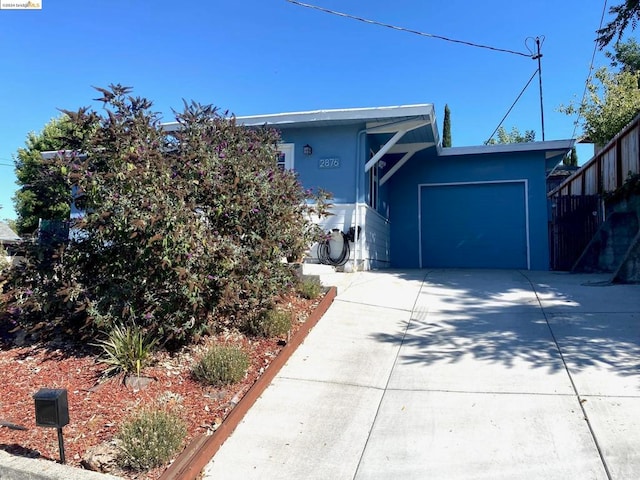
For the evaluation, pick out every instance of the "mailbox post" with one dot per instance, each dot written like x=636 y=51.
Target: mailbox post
x=52 y=411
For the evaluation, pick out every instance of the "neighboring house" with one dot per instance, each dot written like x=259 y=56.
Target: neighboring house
x=8 y=237
x=419 y=205
x=9 y=241
x=559 y=175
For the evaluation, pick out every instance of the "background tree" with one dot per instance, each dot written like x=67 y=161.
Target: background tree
x=613 y=98
x=626 y=55
x=514 y=136
x=446 y=127
x=43 y=192
x=626 y=13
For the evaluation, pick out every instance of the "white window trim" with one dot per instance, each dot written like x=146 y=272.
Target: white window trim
x=289 y=154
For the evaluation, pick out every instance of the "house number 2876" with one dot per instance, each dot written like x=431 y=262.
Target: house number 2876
x=333 y=162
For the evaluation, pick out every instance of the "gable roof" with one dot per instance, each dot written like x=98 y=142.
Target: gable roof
x=7 y=235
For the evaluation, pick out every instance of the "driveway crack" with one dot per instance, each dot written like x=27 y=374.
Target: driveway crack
x=579 y=399
x=386 y=387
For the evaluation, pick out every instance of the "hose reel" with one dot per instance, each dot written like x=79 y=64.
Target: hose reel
x=328 y=256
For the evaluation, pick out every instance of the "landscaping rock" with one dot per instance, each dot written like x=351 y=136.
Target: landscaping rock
x=102 y=458
x=137 y=383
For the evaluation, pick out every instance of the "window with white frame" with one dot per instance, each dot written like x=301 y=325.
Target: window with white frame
x=284 y=158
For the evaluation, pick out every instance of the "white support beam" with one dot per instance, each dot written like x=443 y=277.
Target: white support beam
x=410 y=152
x=396 y=167
x=400 y=128
x=384 y=150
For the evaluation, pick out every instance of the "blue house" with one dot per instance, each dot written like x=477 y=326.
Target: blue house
x=418 y=205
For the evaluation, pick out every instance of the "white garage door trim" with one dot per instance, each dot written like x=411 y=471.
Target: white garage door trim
x=457 y=184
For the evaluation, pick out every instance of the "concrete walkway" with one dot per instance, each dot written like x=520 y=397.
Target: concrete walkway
x=454 y=374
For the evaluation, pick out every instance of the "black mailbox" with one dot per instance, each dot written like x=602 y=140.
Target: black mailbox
x=52 y=408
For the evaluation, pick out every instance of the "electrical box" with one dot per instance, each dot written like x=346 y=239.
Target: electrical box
x=52 y=408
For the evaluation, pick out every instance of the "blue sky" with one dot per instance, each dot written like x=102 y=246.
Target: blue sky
x=270 y=56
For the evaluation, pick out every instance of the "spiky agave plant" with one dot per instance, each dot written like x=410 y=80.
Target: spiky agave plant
x=125 y=349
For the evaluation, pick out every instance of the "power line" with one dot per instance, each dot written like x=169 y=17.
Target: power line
x=408 y=30
x=586 y=83
x=512 y=105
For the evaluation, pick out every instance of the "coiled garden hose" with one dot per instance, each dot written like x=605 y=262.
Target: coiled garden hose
x=324 y=250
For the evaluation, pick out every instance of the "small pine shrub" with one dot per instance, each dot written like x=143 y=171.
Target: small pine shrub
x=222 y=365
x=150 y=438
x=126 y=349
x=309 y=288
x=271 y=323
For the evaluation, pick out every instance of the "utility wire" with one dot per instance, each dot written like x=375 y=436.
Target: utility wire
x=512 y=105
x=586 y=83
x=408 y=30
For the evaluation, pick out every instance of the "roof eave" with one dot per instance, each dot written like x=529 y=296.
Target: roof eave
x=337 y=115
x=550 y=146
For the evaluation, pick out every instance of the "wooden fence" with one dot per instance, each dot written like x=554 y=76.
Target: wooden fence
x=576 y=203
x=574 y=221
x=609 y=168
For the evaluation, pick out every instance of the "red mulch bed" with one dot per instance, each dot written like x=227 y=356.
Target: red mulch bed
x=97 y=406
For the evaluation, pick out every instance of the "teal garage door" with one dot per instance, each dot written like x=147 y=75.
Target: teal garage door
x=474 y=225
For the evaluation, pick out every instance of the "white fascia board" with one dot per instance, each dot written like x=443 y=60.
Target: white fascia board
x=336 y=115
x=170 y=126
x=346 y=114
x=49 y=154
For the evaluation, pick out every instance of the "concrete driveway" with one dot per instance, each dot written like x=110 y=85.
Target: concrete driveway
x=454 y=374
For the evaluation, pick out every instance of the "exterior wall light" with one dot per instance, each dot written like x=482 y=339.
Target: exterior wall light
x=52 y=410
x=307 y=150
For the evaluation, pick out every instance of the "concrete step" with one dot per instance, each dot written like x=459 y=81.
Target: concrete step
x=317 y=269
x=327 y=275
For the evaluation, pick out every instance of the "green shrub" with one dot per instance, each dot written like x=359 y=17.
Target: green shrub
x=126 y=349
x=150 y=438
x=39 y=296
x=271 y=323
x=310 y=288
x=188 y=227
x=222 y=365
